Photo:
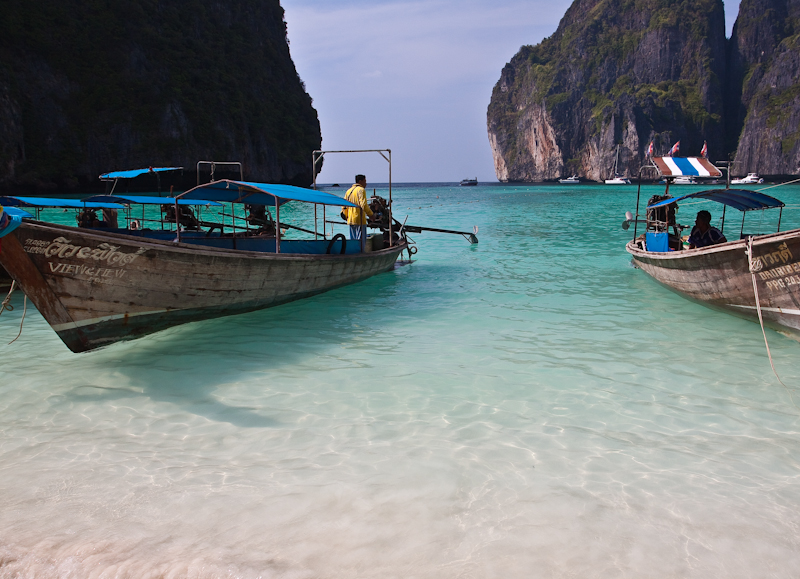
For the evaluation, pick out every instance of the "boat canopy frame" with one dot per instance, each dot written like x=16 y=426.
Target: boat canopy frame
x=318 y=155
x=115 y=176
x=213 y=166
x=266 y=194
x=742 y=199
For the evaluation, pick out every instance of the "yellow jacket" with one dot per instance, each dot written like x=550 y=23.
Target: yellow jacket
x=357 y=196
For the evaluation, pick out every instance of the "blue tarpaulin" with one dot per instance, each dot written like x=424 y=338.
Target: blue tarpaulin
x=228 y=191
x=55 y=202
x=136 y=172
x=740 y=199
x=657 y=241
x=10 y=218
x=147 y=200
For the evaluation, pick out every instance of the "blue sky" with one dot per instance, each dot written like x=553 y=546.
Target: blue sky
x=412 y=76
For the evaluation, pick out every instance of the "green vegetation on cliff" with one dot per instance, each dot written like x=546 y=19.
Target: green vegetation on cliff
x=614 y=72
x=601 y=47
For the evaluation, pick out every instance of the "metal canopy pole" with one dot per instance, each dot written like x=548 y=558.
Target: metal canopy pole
x=277 y=226
x=213 y=166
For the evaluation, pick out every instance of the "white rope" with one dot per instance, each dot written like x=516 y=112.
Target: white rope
x=24 y=311
x=778 y=185
x=760 y=318
x=5 y=305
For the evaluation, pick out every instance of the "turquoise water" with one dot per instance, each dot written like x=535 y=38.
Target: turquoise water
x=530 y=406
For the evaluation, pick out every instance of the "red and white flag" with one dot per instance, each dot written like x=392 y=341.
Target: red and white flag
x=650 y=149
x=675 y=148
x=704 y=150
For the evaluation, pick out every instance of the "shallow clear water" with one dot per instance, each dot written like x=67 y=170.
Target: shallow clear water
x=530 y=406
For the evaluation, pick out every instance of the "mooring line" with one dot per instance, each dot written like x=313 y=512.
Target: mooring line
x=761 y=319
x=5 y=305
x=778 y=185
x=24 y=311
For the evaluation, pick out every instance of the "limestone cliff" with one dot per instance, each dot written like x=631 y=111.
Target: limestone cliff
x=764 y=64
x=88 y=87
x=614 y=73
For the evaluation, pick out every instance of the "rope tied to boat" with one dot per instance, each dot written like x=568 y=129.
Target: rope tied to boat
x=752 y=265
x=5 y=305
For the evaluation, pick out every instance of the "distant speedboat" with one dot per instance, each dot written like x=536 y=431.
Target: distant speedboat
x=573 y=180
x=685 y=180
x=751 y=179
x=469 y=182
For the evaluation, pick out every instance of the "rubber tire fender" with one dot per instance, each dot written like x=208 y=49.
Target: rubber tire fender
x=333 y=240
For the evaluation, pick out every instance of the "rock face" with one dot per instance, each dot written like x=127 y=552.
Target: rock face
x=764 y=66
x=613 y=74
x=623 y=74
x=87 y=88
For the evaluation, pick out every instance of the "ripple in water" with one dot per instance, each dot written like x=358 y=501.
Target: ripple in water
x=530 y=406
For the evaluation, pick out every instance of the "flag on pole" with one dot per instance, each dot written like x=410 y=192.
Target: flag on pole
x=675 y=148
x=704 y=150
x=650 y=150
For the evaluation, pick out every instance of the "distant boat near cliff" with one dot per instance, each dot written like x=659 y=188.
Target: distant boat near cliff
x=751 y=179
x=573 y=180
x=617 y=179
x=469 y=182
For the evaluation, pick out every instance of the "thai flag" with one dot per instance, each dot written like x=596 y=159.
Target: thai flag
x=650 y=149
x=704 y=150
x=675 y=148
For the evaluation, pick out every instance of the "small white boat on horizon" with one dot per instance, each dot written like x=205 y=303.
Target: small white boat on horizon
x=751 y=179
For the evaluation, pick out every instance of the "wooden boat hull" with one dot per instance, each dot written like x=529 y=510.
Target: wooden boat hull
x=96 y=288
x=719 y=276
x=5 y=279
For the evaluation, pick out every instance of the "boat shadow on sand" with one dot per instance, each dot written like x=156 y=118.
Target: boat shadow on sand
x=190 y=365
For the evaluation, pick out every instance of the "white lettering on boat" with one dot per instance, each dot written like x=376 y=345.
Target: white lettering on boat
x=782 y=277
x=780 y=271
x=92 y=272
x=86 y=272
x=782 y=255
x=61 y=247
x=35 y=245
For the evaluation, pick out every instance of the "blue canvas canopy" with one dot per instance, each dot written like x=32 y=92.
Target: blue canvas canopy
x=15 y=212
x=55 y=202
x=147 y=200
x=740 y=199
x=135 y=173
x=228 y=191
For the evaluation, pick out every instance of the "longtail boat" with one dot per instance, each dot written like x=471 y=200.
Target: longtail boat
x=753 y=276
x=97 y=286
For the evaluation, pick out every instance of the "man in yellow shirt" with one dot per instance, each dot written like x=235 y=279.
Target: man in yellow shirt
x=357 y=216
